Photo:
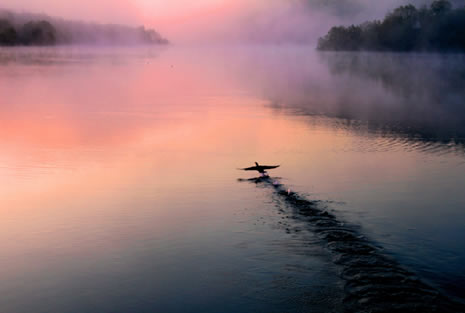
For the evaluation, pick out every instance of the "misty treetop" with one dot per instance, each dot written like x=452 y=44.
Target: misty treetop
x=33 y=29
x=438 y=27
x=37 y=33
x=8 y=34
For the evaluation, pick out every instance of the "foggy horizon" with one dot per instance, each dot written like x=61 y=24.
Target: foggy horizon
x=216 y=21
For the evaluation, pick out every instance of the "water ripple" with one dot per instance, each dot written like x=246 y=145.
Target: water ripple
x=374 y=281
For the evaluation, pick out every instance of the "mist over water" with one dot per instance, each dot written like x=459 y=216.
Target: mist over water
x=418 y=96
x=216 y=21
x=119 y=181
x=284 y=22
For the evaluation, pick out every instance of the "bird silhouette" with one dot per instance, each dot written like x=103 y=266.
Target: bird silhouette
x=260 y=168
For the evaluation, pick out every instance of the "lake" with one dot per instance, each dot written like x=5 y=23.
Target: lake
x=120 y=189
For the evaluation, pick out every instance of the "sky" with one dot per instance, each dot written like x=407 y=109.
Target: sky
x=168 y=17
x=184 y=20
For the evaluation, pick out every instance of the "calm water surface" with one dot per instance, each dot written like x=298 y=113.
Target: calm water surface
x=119 y=188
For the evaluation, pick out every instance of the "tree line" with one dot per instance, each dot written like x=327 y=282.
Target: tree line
x=31 y=33
x=439 y=27
x=32 y=29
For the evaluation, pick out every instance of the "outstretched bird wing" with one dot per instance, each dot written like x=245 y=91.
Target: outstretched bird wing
x=260 y=168
x=253 y=168
x=269 y=167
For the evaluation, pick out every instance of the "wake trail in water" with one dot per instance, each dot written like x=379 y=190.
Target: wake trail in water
x=374 y=281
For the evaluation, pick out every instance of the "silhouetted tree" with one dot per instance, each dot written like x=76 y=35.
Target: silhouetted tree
x=437 y=28
x=440 y=7
x=370 y=35
x=342 y=38
x=8 y=34
x=38 y=33
x=150 y=36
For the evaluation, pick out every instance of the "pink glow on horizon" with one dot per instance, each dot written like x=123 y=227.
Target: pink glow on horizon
x=173 y=18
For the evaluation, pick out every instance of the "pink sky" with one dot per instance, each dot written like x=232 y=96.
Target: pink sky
x=189 y=20
x=170 y=17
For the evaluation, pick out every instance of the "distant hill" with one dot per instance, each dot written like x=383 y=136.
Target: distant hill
x=439 y=27
x=39 y=29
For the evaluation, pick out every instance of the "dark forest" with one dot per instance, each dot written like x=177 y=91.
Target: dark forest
x=438 y=27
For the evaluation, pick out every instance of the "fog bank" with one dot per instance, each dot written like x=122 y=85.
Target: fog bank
x=225 y=21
